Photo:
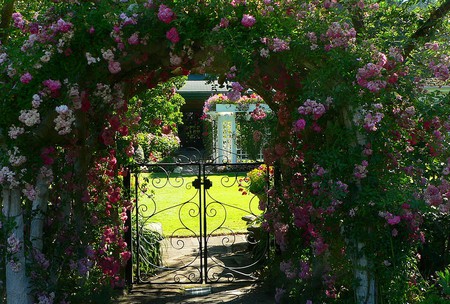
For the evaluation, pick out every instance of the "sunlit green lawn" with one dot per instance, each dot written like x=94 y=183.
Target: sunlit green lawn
x=174 y=203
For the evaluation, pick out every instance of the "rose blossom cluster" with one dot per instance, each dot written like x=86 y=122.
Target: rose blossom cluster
x=441 y=69
x=361 y=171
x=438 y=196
x=30 y=192
x=30 y=117
x=8 y=177
x=366 y=77
x=258 y=113
x=64 y=120
x=371 y=75
x=276 y=45
x=248 y=20
x=15 y=158
x=371 y=121
x=165 y=14
x=312 y=107
x=340 y=36
x=53 y=86
x=15 y=132
x=313 y=39
x=18 y=20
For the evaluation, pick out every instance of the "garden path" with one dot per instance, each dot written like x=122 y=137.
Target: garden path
x=175 y=294
x=235 y=293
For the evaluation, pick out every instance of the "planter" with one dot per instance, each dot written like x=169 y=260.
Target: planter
x=225 y=107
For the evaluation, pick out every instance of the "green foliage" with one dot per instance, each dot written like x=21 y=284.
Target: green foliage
x=149 y=249
x=443 y=279
x=157 y=147
x=160 y=112
x=160 y=106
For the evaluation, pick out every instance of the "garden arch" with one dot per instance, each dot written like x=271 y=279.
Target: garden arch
x=66 y=129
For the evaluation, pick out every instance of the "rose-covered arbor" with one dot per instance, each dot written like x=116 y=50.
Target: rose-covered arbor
x=361 y=149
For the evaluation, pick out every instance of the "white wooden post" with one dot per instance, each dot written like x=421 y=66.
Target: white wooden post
x=39 y=209
x=365 y=290
x=16 y=279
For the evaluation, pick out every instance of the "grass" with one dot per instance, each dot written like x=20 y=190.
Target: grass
x=174 y=203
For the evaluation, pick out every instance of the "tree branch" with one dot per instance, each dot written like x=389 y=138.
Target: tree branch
x=428 y=27
x=7 y=10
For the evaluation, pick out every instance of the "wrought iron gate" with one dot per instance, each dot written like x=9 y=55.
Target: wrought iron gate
x=201 y=244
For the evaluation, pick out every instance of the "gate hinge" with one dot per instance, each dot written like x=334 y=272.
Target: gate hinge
x=198 y=182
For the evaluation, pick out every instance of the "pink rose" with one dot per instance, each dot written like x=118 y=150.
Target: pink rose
x=165 y=14
x=134 y=39
x=172 y=35
x=114 y=67
x=299 y=125
x=248 y=20
x=394 y=220
x=224 y=22
x=53 y=85
x=26 y=78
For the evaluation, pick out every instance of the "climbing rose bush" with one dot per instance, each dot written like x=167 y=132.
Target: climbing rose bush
x=360 y=147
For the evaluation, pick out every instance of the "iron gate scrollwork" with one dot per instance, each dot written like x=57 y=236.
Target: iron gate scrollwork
x=192 y=237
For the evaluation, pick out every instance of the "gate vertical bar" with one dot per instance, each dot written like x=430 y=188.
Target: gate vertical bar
x=138 y=242
x=128 y=232
x=202 y=217
x=205 y=226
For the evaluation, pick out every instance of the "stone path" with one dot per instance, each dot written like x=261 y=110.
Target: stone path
x=222 y=292
x=179 y=294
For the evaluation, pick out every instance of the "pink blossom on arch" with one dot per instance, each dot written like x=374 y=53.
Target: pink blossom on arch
x=393 y=219
x=299 y=125
x=432 y=46
x=53 y=85
x=224 y=23
x=134 y=39
x=165 y=14
x=114 y=67
x=26 y=78
x=258 y=114
x=18 y=21
x=63 y=26
x=148 y=4
x=312 y=107
x=248 y=20
x=319 y=246
x=172 y=35
x=360 y=171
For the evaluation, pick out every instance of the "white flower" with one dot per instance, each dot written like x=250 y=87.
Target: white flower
x=46 y=57
x=36 y=101
x=15 y=159
x=108 y=55
x=30 y=117
x=91 y=59
x=264 y=53
x=29 y=192
x=3 y=57
x=63 y=109
x=64 y=120
x=8 y=177
x=14 y=132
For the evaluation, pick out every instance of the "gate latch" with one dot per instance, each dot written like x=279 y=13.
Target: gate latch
x=198 y=182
